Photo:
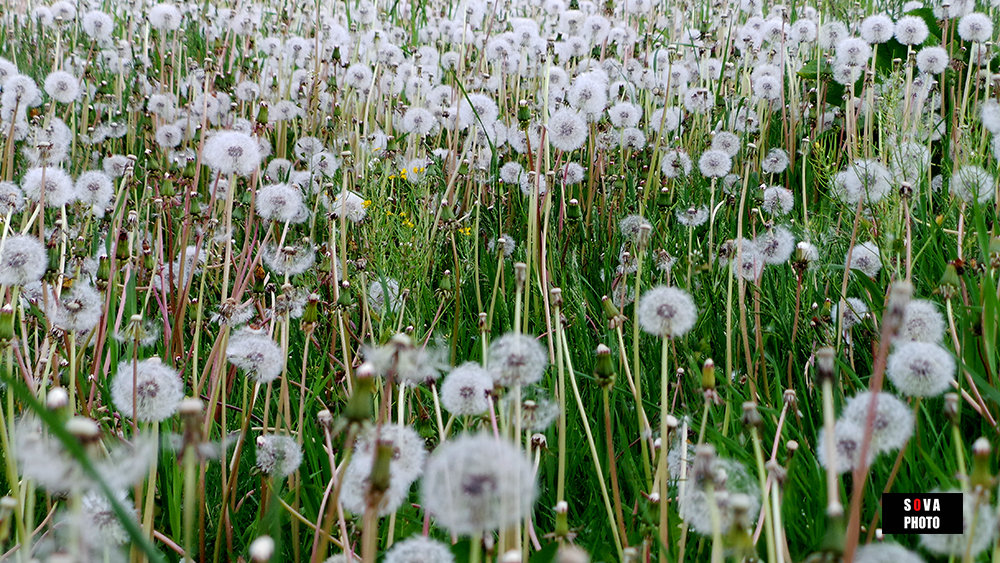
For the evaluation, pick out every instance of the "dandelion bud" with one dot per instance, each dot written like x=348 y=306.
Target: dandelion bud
x=644 y=230
x=614 y=316
x=751 y=416
x=520 y=274
x=949 y=284
x=572 y=554
x=7 y=507
x=261 y=549
x=381 y=475
x=345 y=299
x=899 y=296
x=523 y=112
x=981 y=476
x=792 y=446
x=444 y=284
x=708 y=375
x=539 y=441
x=57 y=398
x=604 y=370
x=672 y=421
x=825 y=363
x=562 y=519
x=790 y=398
x=6 y=324
x=190 y=407
x=663 y=198
x=555 y=296
x=324 y=418
x=951 y=407
x=311 y=315
x=359 y=405
x=573 y=210
x=84 y=429
x=701 y=467
x=740 y=541
x=104 y=269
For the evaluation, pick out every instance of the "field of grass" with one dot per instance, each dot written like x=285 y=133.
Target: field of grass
x=496 y=281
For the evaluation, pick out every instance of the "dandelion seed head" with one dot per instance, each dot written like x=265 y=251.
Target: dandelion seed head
x=714 y=163
x=464 y=390
x=855 y=312
x=911 y=30
x=975 y=27
x=23 y=259
x=667 y=312
x=921 y=369
x=62 y=86
x=384 y=293
x=419 y=549
x=567 y=130
x=516 y=359
x=775 y=245
x=778 y=200
x=279 y=202
x=893 y=423
x=254 y=352
x=922 y=322
x=933 y=60
x=278 y=455
x=847 y=438
x=886 y=553
x=478 y=483
x=972 y=184
x=979 y=527
x=866 y=258
x=157 y=387
x=51 y=183
x=877 y=28
x=232 y=152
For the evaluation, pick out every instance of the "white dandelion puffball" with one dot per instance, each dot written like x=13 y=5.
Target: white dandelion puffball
x=933 y=60
x=847 y=438
x=667 y=312
x=232 y=152
x=419 y=549
x=567 y=130
x=516 y=359
x=62 y=86
x=465 y=389
x=866 y=258
x=972 y=184
x=886 y=553
x=278 y=455
x=921 y=369
x=157 y=389
x=922 y=322
x=23 y=260
x=478 y=483
x=408 y=453
x=911 y=30
x=975 y=27
x=714 y=163
x=893 y=423
x=254 y=352
x=979 y=524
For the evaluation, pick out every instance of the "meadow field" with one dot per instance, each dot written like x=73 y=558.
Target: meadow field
x=497 y=280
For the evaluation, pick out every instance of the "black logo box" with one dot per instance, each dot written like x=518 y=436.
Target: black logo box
x=922 y=513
